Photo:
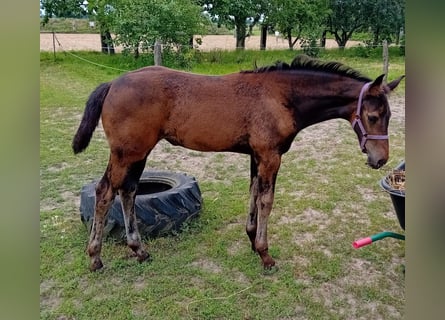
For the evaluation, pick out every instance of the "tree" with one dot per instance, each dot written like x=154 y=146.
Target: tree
x=102 y=11
x=298 y=19
x=62 y=9
x=386 y=18
x=138 y=24
x=236 y=14
x=383 y=18
x=346 y=17
x=264 y=8
x=96 y=9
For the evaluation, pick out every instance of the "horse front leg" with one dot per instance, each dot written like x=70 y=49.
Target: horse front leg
x=104 y=198
x=267 y=173
x=251 y=223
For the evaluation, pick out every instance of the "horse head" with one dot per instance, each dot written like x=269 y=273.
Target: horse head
x=371 y=120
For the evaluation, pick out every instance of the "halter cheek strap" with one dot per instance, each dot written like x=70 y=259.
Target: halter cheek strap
x=357 y=123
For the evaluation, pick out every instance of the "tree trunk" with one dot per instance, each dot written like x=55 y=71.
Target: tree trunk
x=289 y=39
x=341 y=40
x=263 y=38
x=397 y=40
x=399 y=34
x=323 y=39
x=241 y=36
x=106 y=42
x=376 y=37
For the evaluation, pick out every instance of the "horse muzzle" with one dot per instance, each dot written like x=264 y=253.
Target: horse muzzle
x=376 y=165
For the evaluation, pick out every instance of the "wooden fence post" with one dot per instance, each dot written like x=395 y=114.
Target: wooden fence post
x=385 y=60
x=158 y=53
x=54 y=46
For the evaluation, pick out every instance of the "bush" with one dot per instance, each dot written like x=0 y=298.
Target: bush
x=310 y=47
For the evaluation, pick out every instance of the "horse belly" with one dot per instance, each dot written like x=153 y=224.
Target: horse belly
x=208 y=133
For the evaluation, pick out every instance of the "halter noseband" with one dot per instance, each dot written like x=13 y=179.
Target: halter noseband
x=357 y=123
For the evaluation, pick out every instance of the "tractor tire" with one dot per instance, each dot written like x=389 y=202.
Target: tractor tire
x=164 y=202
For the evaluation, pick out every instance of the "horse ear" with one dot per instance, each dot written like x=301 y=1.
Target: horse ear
x=375 y=86
x=378 y=81
x=393 y=84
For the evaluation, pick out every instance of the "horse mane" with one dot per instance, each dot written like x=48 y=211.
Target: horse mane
x=304 y=62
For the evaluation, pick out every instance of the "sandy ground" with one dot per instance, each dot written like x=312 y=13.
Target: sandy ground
x=67 y=41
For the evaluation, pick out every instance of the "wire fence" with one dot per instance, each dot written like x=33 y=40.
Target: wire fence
x=91 y=42
x=69 y=43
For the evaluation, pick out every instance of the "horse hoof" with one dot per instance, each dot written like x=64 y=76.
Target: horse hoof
x=266 y=259
x=144 y=256
x=269 y=264
x=269 y=270
x=96 y=265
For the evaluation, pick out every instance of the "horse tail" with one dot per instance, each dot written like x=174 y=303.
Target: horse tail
x=90 y=118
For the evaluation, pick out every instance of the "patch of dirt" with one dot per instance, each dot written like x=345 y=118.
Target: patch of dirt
x=207 y=265
x=339 y=295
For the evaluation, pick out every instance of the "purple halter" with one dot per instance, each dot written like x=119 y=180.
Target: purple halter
x=357 y=123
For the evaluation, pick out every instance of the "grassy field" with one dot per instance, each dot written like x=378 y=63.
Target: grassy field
x=325 y=199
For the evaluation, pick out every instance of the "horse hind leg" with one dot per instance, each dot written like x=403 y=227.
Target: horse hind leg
x=104 y=198
x=125 y=179
x=127 y=192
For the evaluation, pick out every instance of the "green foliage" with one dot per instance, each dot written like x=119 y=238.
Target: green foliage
x=298 y=19
x=310 y=47
x=383 y=18
x=102 y=12
x=237 y=15
x=138 y=24
x=346 y=18
x=62 y=9
x=181 y=58
x=213 y=28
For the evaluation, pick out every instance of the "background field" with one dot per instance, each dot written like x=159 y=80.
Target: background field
x=91 y=42
x=326 y=198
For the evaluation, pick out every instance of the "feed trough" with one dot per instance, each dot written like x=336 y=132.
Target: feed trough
x=394 y=184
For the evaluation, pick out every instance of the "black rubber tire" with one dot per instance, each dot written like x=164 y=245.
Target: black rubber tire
x=164 y=202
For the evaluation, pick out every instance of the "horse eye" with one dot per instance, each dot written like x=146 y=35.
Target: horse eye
x=373 y=119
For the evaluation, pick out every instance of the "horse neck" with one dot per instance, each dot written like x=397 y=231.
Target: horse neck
x=313 y=103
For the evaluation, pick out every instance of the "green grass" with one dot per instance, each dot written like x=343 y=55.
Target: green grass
x=325 y=199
